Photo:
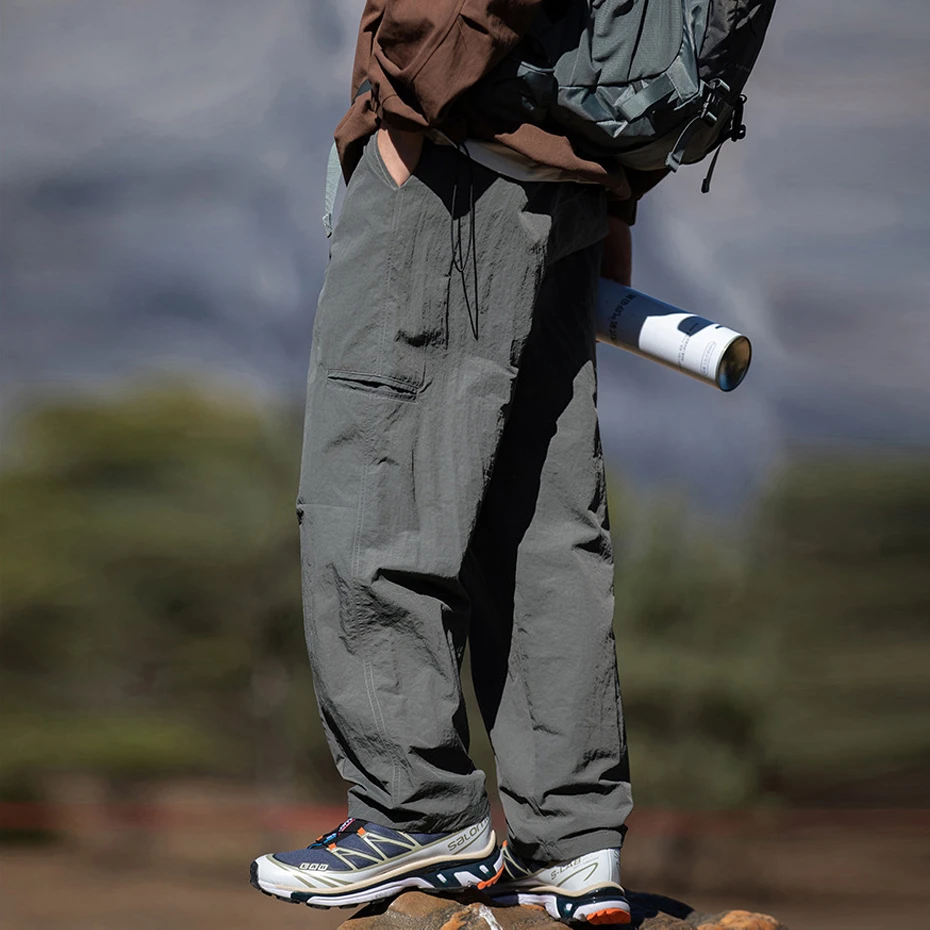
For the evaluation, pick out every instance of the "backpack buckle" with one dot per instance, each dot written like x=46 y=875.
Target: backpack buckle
x=737 y=127
x=715 y=97
x=714 y=102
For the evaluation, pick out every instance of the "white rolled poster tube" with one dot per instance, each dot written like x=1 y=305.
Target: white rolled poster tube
x=705 y=350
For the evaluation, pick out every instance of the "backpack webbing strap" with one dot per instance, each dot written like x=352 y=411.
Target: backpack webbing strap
x=648 y=97
x=675 y=81
x=334 y=173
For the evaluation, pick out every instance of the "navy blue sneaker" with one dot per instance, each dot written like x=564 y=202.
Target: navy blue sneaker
x=360 y=862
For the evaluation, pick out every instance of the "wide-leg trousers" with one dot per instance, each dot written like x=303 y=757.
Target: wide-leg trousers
x=452 y=489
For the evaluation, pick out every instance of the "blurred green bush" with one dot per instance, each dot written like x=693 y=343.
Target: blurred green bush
x=151 y=615
x=783 y=661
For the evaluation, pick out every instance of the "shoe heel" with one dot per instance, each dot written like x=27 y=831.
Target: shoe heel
x=480 y=874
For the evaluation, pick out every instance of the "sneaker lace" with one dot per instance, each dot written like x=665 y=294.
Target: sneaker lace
x=346 y=828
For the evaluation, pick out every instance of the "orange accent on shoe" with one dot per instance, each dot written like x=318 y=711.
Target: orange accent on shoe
x=492 y=879
x=610 y=915
x=361 y=831
x=331 y=846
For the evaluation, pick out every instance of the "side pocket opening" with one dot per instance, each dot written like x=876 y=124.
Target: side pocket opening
x=382 y=168
x=380 y=385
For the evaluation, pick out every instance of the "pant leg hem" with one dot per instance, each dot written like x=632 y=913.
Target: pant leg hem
x=571 y=848
x=408 y=822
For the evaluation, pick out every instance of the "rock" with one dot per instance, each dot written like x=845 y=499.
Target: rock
x=414 y=910
x=740 y=920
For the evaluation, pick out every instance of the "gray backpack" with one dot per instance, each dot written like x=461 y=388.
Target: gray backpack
x=652 y=82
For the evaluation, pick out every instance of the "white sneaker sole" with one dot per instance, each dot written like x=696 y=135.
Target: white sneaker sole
x=451 y=876
x=604 y=909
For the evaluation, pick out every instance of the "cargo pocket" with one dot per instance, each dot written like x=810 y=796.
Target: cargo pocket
x=378 y=385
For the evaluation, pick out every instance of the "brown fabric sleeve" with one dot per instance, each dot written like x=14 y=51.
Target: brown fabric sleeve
x=426 y=53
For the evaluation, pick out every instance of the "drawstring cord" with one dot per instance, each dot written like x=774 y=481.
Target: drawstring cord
x=460 y=259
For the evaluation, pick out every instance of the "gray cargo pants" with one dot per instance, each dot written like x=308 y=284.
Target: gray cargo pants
x=452 y=487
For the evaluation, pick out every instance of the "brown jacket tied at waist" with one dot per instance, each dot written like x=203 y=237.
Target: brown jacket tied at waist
x=421 y=56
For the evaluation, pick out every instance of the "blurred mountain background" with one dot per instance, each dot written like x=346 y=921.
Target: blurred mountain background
x=161 y=252
x=161 y=191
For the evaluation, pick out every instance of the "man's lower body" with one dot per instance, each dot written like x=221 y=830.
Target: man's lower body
x=452 y=489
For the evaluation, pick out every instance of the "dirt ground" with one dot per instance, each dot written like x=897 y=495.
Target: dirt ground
x=817 y=876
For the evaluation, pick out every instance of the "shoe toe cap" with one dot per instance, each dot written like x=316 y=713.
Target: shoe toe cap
x=271 y=875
